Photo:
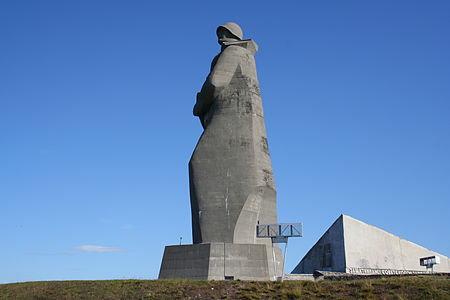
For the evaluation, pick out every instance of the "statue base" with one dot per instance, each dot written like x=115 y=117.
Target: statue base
x=220 y=261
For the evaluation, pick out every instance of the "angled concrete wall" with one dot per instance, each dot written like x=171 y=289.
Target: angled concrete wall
x=367 y=246
x=352 y=246
x=327 y=254
x=185 y=262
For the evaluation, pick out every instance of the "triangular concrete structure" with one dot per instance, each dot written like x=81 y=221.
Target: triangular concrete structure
x=352 y=246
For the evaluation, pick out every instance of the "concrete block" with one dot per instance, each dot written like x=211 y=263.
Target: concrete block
x=216 y=261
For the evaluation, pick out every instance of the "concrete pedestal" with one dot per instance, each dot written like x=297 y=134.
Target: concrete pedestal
x=218 y=261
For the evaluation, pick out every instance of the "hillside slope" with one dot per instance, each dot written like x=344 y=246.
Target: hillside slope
x=382 y=288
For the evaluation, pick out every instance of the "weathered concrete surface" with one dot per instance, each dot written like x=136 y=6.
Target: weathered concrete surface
x=352 y=246
x=216 y=261
x=231 y=178
x=303 y=277
x=186 y=262
x=370 y=247
x=328 y=254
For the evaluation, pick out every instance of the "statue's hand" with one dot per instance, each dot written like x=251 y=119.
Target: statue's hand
x=197 y=106
x=195 y=110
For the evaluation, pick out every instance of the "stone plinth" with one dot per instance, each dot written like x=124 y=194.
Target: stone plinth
x=217 y=261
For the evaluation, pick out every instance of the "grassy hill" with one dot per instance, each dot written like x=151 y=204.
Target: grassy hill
x=417 y=287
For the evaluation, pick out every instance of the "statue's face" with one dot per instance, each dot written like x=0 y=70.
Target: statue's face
x=224 y=35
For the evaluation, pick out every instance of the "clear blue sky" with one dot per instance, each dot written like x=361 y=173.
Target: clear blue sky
x=96 y=125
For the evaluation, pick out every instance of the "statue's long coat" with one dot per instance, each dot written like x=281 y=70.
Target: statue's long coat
x=231 y=179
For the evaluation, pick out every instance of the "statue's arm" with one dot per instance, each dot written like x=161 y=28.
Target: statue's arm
x=223 y=68
x=204 y=99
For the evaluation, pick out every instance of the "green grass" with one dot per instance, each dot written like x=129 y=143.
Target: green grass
x=400 y=288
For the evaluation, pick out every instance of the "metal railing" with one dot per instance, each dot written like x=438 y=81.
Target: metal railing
x=279 y=233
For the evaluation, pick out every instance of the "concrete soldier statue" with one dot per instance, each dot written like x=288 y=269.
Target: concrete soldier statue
x=230 y=173
x=231 y=179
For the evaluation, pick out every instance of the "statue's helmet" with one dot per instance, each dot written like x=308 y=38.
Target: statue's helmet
x=234 y=29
